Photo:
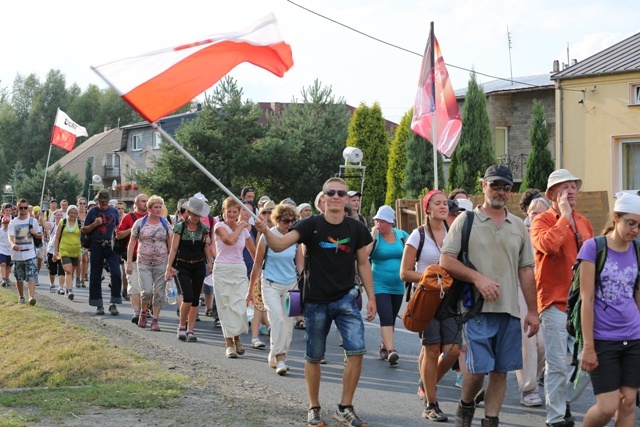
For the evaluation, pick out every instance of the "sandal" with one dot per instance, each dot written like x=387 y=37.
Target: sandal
x=182 y=333
x=300 y=324
x=191 y=337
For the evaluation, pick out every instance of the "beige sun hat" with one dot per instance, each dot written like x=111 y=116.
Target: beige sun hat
x=558 y=177
x=197 y=206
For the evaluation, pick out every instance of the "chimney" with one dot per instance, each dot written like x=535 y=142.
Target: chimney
x=556 y=65
x=574 y=62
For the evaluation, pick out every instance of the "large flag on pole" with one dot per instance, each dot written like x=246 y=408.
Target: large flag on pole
x=160 y=82
x=435 y=96
x=65 y=131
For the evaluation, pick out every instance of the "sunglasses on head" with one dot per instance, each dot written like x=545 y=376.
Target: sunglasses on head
x=331 y=193
x=497 y=187
x=288 y=221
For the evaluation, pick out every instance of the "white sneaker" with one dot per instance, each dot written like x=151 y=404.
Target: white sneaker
x=256 y=343
x=531 y=399
x=281 y=368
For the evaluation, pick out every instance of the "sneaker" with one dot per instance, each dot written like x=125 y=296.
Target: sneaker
x=231 y=352
x=393 y=358
x=531 y=399
x=256 y=343
x=348 y=417
x=313 y=417
x=113 y=310
x=77 y=282
x=142 y=320
x=21 y=300
x=52 y=289
x=239 y=347
x=191 y=337
x=182 y=333
x=432 y=412
x=384 y=353
x=32 y=301
x=281 y=368
x=154 y=325
x=458 y=382
x=300 y=324
x=135 y=318
x=60 y=291
x=273 y=363
x=264 y=330
x=217 y=324
x=70 y=295
x=209 y=312
x=100 y=311
x=479 y=399
x=464 y=415
x=4 y=283
x=84 y=285
x=568 y=418
x=323 y=361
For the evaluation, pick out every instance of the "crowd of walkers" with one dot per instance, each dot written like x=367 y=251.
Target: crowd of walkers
x=245 y=268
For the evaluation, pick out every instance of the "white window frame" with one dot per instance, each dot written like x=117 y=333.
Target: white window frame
x=621 y=160
x=136 y=142
x=634 y=93
x=506 y=139
x=157 y=140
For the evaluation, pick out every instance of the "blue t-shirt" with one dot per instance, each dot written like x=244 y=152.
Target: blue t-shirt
x=621 y=319
x=280 y=267
x=385 y=264
x=110 y=220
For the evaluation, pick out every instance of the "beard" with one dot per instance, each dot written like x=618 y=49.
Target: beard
x=498 y=202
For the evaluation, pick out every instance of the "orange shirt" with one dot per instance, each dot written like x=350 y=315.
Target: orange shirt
x=555 y=247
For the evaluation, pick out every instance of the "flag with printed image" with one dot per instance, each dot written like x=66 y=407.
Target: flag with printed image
x=65 y=131
x=158 y=83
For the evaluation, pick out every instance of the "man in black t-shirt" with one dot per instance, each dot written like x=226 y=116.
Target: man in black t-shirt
x=333 y=243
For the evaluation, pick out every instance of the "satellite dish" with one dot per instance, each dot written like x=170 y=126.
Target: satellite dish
x=96 y=179
x=352 y=154
x=113 y=184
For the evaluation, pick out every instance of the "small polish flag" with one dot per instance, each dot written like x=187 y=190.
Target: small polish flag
x=158 y=83
x=65 y=131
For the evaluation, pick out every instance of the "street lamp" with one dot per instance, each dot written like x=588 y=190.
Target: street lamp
x=8 y=195
x=96 y=184
x=353 y=155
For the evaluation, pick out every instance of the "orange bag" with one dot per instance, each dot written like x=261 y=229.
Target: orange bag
x=426 y=298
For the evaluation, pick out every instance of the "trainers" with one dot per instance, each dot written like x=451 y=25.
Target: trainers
x=52 y=289
x=21 y=300
x=154 y=325
x=281 y=368
x=323 y=361
x=256 y=343
x=432 y=412
x=60 y=291
x=135 y=318
x=209 y=312
x=100 y=311
x=142 y=320
x=182 y=333
x=393 y=358
x=264 y=330
x=113 y=310
x=70 y=295
x=77 y=282
x=384 y=353
x=531 y=399
x=84 y=285
x=458 y=382
x=313 y=417
x=231 y=352
x=239 y=347
x=348 y=417
x=32 y=301
x=464 y=415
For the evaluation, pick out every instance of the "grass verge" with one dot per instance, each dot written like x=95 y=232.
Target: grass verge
x=48 y=357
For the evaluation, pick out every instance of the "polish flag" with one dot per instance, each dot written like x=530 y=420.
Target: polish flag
x=158 y=83
x=65 y=131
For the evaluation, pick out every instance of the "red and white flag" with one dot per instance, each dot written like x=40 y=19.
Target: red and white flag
x=65 y=131
x=158 y=83
x=448 y=121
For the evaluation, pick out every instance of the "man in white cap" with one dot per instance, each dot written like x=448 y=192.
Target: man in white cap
x=557 y=236
x=354 y=200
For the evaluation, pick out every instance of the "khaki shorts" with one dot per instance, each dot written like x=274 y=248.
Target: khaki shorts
x=133 y=284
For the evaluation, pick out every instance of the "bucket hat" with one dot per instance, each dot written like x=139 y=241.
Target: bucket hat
x=197 y=206
x=558 y=177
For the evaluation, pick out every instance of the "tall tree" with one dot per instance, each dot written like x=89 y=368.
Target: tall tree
x=474 y=153
x=60 y=184
x=540 y=164
x=88 y=175
x=418 y=172
x=367 y=132
x=398 y=160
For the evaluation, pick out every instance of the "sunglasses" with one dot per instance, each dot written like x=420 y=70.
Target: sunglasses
x=331 y=193
x=82 y=203
x=288 y=221
x=23 y=208
x=498 y=187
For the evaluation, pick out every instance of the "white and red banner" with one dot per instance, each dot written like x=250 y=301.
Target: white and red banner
x=158 y=83
x=65 y=131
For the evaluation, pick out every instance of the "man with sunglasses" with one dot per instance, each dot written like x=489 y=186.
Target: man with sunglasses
x=334 y=242
x=557 y=236
x=493 y=338
x=22 y=230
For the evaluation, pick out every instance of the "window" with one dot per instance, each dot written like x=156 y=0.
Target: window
x=630 y=158
x=634 y=94
x=136 y=142
x=157 y=140
x=501 y=141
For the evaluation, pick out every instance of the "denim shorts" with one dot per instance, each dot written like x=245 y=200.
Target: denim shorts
x=318 y=318
x=494 y=343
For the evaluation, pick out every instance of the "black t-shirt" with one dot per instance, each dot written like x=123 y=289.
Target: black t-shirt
x=332 y=255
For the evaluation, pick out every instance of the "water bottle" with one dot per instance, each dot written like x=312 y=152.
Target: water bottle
x=172 y=293
x=355 y=291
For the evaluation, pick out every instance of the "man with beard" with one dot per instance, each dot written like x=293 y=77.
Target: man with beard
x=494 y=337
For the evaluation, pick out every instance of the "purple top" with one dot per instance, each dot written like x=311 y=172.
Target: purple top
x=616 y=314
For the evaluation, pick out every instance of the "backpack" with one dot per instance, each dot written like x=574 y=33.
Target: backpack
x=164 y=223
x=408 y=286
x=37 y=241
x=119 y=246
x=574 y=302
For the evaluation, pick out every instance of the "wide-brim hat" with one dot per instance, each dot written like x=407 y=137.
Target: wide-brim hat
x=558 y=177
x=103 y=195
x=268 y=207
x=197 y=206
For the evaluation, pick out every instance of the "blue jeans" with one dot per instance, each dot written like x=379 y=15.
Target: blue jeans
x=98 y=254
x=318 y=318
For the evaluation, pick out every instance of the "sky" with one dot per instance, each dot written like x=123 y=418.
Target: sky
x=72 y=36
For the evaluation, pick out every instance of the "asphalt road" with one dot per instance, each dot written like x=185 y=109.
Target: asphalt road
x=386 y=396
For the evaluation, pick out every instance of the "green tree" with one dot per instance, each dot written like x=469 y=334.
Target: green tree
x=474 y=153
x=539 y=163
x=303 y=147
x=418 y=173
x=88 y=175
x=60 y=184
x=398 y=160
x=17 y=175
x=367 y=132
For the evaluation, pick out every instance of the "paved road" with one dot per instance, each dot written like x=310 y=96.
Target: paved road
x=386 y=395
